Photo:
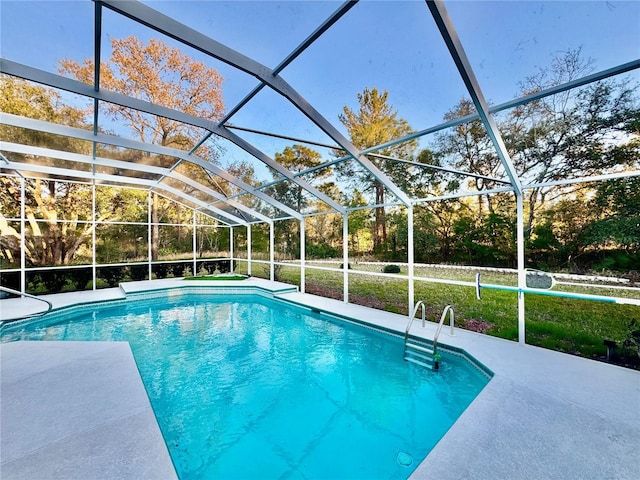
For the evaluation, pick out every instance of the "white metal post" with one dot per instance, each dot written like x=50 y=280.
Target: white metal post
x=93 y=233
x=345 y=257
x=249 y=249
x=522 y=275
x=23 y=237
x=230 y=249
x=302 y=255
x=149 y=232
x=271 y=253
x=410 y=256
x=195 y=243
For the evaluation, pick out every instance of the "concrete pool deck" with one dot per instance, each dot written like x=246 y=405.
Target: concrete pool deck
x=544 y=415
x=77 y=410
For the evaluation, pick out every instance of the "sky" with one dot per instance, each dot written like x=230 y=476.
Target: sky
x=389 y=45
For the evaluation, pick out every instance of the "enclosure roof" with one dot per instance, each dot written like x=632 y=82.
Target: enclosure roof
x=292 y=72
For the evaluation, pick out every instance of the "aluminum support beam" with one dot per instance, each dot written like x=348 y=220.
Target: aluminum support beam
x=450 y=37
x=85 y=159
x=249 y=249
x=371 y=207
x=247 y=147
x=97 y=55
x=119 y=164
x=23 y=237
x=194 y=242
x=67 y=172
x=97 y=46
x=303 y=248
x=163 y=24
x=149 y=236
x=271 y=253
x=345 y=258
x=620 y=69
x=410 y=260
x=284 y=137
x=326 y=25
x=81 y=134
x=440 y=169
x=232 y=203
x=474 y=193
x=344 y=8
x=80 y=158
x=201 y=204
x=22 y=71
x=595 y=178
x=93 y=235
x=627 y=67
x=230 y=249
x=522 y=273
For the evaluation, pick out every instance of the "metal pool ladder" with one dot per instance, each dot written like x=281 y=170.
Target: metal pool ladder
x=423 y=352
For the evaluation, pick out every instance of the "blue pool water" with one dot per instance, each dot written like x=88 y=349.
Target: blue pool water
x=250 y=387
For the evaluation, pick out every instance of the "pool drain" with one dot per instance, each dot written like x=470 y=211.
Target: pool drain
x=404 y=459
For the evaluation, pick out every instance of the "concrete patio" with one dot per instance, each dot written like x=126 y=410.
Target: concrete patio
x=77 y=410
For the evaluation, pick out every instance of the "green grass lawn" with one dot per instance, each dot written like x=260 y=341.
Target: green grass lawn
x=573 y=326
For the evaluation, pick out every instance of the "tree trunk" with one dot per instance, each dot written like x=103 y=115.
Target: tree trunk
x=479 y=218
x=490 y=205
x=84 y=237
x=531 y=217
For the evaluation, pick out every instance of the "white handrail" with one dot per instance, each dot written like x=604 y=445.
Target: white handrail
x=28 y=295
x=412 y=318
x=449 y=309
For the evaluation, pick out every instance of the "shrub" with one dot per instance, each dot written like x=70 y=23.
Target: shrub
x=100 y=283
x=37 y=287
x=632 y=342
x=69 y=286
x=315 y=250
x=391 y=269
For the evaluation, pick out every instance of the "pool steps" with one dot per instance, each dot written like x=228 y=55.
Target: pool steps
x=419 y=351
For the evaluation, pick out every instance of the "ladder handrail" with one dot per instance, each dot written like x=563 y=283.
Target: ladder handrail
x=449 y=309
x=28 y=295
x=412 y=318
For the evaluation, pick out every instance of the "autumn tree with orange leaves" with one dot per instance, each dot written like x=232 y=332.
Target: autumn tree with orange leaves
x=162 y=75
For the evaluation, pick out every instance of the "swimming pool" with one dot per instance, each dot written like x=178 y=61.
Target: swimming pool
x=245 y=386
